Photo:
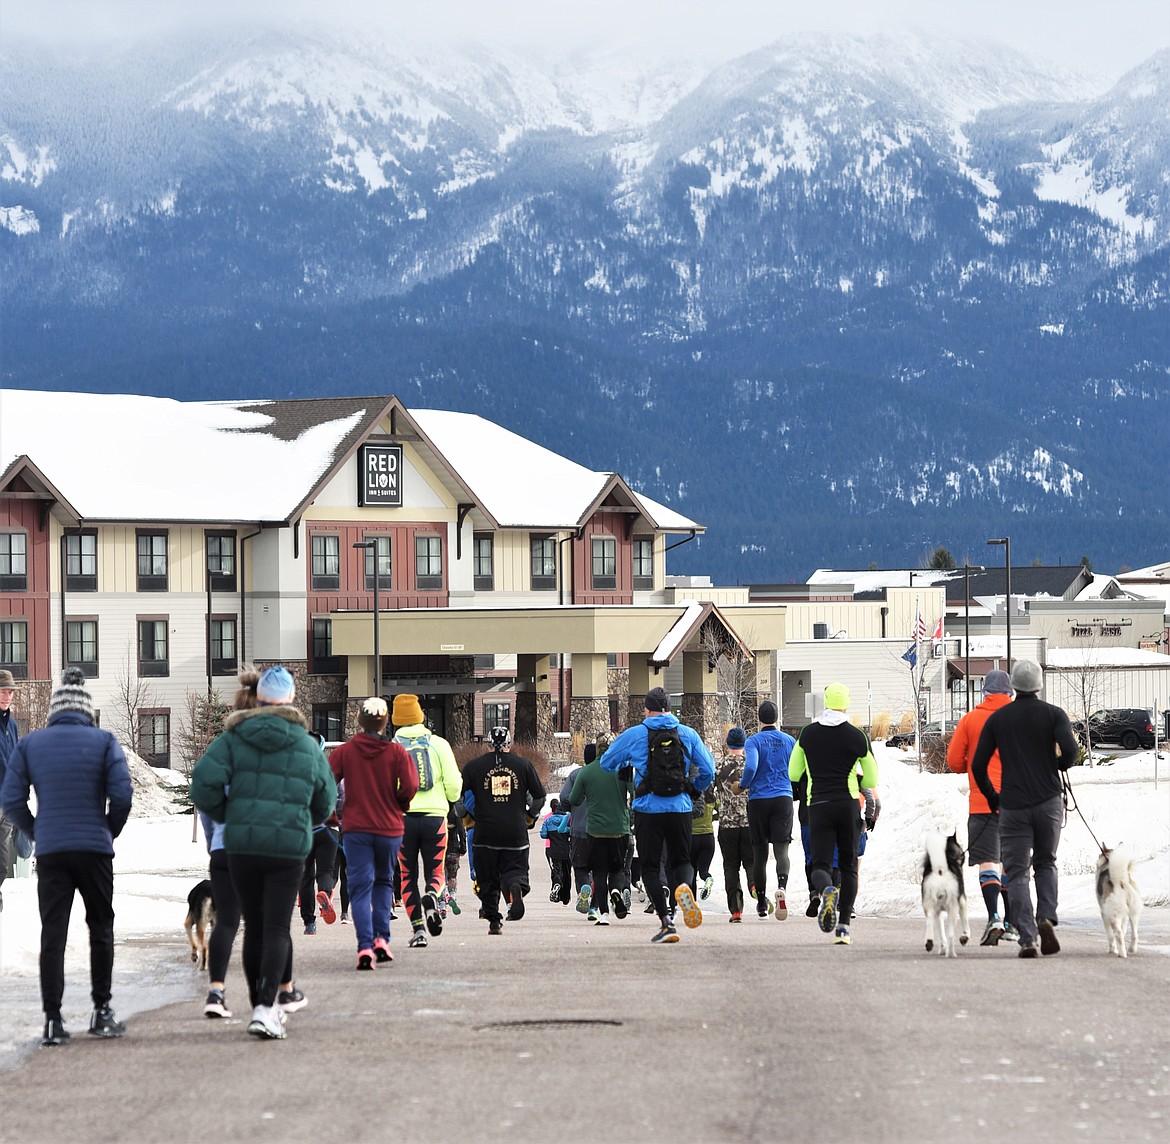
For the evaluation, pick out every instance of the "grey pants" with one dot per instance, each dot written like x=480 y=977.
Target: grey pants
x=1028 y=839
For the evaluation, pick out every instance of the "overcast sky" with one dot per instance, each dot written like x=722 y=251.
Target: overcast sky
x=1091 y=35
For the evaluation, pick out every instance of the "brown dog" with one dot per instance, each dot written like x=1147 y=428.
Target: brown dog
x=199 y=920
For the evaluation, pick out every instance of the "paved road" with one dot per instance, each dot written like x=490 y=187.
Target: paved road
x=560 y=1030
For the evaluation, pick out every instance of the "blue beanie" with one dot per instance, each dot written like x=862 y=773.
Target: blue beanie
x=275 y=686
x=735 y=737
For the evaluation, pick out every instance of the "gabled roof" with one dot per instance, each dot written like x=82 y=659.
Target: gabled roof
x=23 y=474
x=687 y=627
x=127 y=457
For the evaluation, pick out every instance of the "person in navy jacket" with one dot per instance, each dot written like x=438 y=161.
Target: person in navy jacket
x=83 y=789
x=663 y=822
x=9 y=736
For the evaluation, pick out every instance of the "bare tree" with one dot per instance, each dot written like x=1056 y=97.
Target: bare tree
x=131 y=695
x=1086 y=682
x=200 y=721
x=738 y=691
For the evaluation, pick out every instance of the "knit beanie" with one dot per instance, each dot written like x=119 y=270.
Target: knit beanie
x=736 y=738
x=657 y=699
x=768 y=712
x=997 y=683
x=837 y=697
x=407 y=711
x=373 y=715
x=590 y=752
x=72 y=695
x=275 y=686
x=1027 y=676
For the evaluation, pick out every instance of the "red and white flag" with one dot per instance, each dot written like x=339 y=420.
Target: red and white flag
x=936 y=635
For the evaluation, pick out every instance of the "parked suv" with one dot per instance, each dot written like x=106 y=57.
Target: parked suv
x=1131 y=727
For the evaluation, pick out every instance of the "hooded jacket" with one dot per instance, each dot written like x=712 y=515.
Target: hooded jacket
x=632 y=748
x=961 y=748
x=446 y=781
x=82 y=783
x=828 y=750
x=380 y=780
x=280 y=784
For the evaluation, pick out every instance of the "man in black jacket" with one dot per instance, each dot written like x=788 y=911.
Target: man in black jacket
x=1035 y=741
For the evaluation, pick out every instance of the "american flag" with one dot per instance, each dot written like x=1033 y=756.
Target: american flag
x=919 y=628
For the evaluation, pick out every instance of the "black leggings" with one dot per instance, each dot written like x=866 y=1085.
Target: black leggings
x=320 y=870
x=227 y=918
x=770 y=822
x=607 y=860
x=665 y=836
x=702 y=852
x=835 y=825
x=267 y=891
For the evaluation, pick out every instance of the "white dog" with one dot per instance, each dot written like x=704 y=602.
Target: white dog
x=1119 y=899
x=943 y=893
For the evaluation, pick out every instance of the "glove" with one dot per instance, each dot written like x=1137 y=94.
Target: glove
x=869 y=823
x=469 y=821
x=993 y=803
x=530 y=819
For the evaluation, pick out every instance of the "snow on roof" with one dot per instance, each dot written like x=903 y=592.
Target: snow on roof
x=129 y=457
x=1082 y=657
x=668 y=645
x=873 y=580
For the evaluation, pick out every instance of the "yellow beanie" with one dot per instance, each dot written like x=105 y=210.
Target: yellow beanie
x=407 y=711
x=837 y=697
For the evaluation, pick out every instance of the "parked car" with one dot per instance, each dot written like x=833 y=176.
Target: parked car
x=905 y=739
x=1129 y=727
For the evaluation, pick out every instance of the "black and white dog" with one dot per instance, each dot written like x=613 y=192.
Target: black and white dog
x=943 y=893
x=199 y=920
x=1119 y=899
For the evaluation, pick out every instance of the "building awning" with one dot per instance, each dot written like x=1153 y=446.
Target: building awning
x=980 y=665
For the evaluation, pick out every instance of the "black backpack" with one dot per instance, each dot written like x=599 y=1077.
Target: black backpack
x=666 y=764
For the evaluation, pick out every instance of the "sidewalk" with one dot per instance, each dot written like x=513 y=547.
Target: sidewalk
x=747 y=1032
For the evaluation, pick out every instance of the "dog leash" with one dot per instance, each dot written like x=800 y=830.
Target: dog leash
x=1070 y=797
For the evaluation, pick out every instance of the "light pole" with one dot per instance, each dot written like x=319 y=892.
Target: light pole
x=1006 y=541
x=372 y=547
x=967 y=629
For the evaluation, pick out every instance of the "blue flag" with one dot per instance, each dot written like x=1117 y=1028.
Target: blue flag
x=910 y=655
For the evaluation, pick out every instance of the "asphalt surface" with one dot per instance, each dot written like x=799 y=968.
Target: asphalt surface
x=561 y=1030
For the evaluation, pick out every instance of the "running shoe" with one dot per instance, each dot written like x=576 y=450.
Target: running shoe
x=310 y=927
x=842 y=936
x=325 y=907
x=554 y=895
x=641 y=891
x=649 y=908
x=55 y=1033
x=430 y=906
x=736 y=917
x=593 y=915
x=1010 y=933
x=667 y=935
x=365 y=959
x=583 y=898
x=618 y=903
x=814 y=907
x=1027 y=949
x=344 y=918
x=418 y=939
x=764 y=907
x=602 y=920
x=781 y=905
x=454 y=905
x=290 y=1000
x=705 y=891
x=1047 y=931
x=495 y=928
x=992 y=932
x=216 y=1005
x=267 y=1023
x=103 y=1023
x=515 y=898
x=382 y=953
x=692 y=915
x=827 y=918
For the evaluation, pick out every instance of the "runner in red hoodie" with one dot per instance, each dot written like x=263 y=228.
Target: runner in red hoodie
x=380 y=780
x=982 y=825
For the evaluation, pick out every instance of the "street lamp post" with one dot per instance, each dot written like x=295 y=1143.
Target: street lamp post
x=1006 y=541
x=372 y=547
x=967 y=629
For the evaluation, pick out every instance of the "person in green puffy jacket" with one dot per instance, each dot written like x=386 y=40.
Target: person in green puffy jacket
x=267 y=780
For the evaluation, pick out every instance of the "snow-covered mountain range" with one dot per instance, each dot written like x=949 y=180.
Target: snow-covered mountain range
x=916 y=288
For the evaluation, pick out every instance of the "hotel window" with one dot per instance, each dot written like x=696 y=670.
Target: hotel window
x=153 y=659
x=544 y=562
x=81 y=561
x=221 y=560
x=428 y=561
x=324 y=661
x=154 y=737
x=81 y=645
x=223 y=645
x=326 y=562
x=496 y=715
x=482 y=557
x=13 y=562
x=152 y=561
x=385 y=568
x=14 y=647
x=603 y=551
x=643 y=563
x=327 y=722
